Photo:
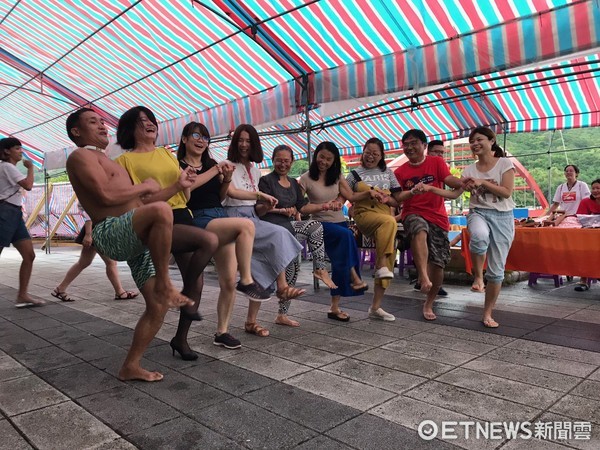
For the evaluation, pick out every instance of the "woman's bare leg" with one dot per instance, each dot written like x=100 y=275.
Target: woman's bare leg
x=85 y=259
x=241 y=231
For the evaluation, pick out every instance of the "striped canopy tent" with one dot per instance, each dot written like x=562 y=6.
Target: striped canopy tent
x=358 y=67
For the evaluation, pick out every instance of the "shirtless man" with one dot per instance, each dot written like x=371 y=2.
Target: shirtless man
x=125 y=229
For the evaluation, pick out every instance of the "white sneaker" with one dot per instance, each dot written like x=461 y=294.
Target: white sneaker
x=383 y=272
x=380 y=314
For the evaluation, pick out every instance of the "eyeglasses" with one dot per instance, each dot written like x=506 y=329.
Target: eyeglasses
x=200 y=136
x=374 y=154
x=282 y=161
x=413 y=143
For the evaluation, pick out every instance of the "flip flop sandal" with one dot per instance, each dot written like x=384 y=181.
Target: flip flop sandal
x=30 y=304
x=582 y=288
x=360 y=287
x=490 y=323
x=478 y=289
x=62 y=296
x=337 y=316
x=128 y=295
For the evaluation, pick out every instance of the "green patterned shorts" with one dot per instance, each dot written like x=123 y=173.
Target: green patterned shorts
x=115 y=238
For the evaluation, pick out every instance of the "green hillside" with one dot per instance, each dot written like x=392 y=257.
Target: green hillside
x=545 y=157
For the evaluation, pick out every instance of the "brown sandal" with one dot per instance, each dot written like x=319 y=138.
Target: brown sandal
x=255 y=329
x=289 y=293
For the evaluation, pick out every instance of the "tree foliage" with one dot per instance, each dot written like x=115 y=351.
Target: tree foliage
x=546 y=154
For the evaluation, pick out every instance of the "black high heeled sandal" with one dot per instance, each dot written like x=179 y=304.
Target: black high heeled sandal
x=190 y=316
x=186 y=356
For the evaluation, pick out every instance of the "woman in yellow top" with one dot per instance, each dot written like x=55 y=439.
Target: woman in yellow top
x=374 y=218
x=192 y=247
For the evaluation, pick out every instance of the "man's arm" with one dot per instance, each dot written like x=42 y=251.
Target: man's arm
x=453 y=182
x=84 y=169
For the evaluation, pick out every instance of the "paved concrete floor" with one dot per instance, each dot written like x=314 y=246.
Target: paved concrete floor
x=325 y=385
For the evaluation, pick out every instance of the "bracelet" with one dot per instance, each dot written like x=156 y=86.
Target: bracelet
x=258 y=196
x=225 y=180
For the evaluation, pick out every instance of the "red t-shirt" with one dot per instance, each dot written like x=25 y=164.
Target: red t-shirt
x=588 y=206
x=428 y=205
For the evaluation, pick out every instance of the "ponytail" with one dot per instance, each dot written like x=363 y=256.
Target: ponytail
x=498 y=152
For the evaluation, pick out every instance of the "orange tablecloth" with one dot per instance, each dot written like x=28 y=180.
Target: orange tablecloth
x=560 y=251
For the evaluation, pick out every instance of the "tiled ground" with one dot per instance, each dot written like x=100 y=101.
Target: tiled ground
x=325 y=385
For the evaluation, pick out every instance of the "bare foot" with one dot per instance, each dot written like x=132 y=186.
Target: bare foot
x=172 y=297
x=283 y=319
x=428 y=314
x=323 y=275
x=478 y=285
x=426 y=286
x=137 y=373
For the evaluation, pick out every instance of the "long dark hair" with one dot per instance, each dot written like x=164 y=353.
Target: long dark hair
x=256 y=153
x=498 y=152
x=381 y=164
x=127 y=123
x=333 y=173
x=206 y=160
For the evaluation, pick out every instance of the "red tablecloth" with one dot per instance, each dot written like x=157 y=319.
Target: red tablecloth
x=560 y=251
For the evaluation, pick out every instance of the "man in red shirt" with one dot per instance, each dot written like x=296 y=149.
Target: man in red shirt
x=424 y=214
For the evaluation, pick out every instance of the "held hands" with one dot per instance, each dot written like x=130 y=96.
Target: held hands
x=226 y=169
x=151 y=186
x=420 y=188
x=378 y=195
x=269 y=200
x=333 y=205
x=288 y=212
x=468 y=184
x=187 y=178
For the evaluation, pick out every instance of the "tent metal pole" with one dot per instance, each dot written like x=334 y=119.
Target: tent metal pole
x=47 y=211
x=550 y=80
x=550 y=165
x=305 y=87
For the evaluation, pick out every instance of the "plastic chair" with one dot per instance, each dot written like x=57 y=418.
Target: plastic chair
x=405 y=260
x=533 y=277
x=304 y=255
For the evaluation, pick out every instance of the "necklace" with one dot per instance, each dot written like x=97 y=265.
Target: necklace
x=93 y=147
x=190 y=165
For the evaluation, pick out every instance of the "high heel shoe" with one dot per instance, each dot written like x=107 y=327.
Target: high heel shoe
x=186 y=356
x=190 y=316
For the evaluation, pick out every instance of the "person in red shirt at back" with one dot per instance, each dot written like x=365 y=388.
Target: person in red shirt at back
x=424 y=214
x=589 y=205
